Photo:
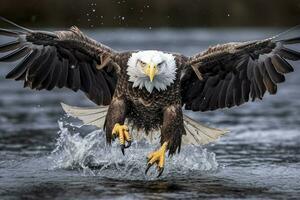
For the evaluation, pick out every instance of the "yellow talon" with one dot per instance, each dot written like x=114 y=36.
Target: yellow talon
x=122 y=132
x=158 y=158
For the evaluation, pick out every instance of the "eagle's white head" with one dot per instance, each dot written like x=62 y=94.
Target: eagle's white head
x=151 y=69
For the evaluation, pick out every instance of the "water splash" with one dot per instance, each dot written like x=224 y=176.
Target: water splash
x=91 y=154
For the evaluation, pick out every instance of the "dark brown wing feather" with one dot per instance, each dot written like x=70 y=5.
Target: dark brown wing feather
x=233 y=73
x=61 y=59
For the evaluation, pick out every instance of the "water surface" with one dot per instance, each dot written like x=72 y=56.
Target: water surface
x=42 y=156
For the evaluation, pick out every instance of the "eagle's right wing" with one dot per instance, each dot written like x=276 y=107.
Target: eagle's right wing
x=61 y=59
x=227 y=75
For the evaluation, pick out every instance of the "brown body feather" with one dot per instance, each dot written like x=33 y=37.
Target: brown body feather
x=148 y=111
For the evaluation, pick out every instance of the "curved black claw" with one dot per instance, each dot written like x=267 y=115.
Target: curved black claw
x=148 y=167
x=160 y=171
x=128 y=144
x=123 y=149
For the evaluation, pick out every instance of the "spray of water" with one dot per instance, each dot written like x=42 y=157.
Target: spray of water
x=91 y=154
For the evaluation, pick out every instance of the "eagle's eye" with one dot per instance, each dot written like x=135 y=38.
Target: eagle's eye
x=160 y=64
x=141 y=63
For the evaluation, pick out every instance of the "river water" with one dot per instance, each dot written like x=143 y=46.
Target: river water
x=43 y=155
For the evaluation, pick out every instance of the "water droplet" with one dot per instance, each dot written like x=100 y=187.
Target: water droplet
x=94 y=10
x=123 y=18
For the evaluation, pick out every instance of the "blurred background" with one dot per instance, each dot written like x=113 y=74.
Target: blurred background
x=153 y=13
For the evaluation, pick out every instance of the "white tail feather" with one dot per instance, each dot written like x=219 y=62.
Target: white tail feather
x=94 y=116
x=196 y=133
x=199 y=134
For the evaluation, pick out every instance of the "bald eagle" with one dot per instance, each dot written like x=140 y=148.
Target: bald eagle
x=147 y=91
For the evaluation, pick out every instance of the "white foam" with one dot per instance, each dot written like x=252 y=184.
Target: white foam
x=91 y=154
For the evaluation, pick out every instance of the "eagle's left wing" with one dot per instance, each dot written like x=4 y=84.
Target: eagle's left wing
x=61 y=59
x=227 y=75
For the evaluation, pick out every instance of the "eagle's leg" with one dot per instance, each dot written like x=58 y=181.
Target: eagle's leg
x=122 y=132
x=157 y=157
x=171 y=133
x=114 y=123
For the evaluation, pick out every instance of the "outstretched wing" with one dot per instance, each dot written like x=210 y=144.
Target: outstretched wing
x=227 y=75
x=61 y=59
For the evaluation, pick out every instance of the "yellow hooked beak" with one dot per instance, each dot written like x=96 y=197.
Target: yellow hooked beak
x=151 y=70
